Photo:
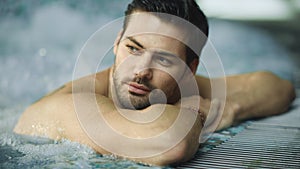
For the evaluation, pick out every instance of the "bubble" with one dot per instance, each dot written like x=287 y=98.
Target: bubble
x=42 y=52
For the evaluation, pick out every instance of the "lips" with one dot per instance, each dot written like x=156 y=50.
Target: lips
x=138 y=88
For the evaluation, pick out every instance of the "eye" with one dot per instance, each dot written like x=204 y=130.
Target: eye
x=163 y=61
x=133 y=50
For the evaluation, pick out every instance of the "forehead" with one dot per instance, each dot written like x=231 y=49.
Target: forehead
x=141 y=23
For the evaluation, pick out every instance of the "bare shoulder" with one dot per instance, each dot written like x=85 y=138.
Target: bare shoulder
x=52 y=115
x=95 y=83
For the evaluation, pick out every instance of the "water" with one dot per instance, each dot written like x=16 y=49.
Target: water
x=39 y=43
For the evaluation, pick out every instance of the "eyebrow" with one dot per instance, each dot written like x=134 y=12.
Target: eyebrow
x=132 y=39
x=166 y=54
x=135 y=42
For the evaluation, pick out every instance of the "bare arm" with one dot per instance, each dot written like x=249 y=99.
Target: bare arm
x=252 y=95
x=54 y=116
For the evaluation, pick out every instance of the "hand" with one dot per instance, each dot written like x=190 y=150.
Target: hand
x=218 y=114
x=230 y=111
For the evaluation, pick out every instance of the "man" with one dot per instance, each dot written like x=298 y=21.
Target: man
x=146 y=78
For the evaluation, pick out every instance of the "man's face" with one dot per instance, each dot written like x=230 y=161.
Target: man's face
x=148 y=66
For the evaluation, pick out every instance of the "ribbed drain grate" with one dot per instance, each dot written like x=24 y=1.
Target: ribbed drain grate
x=258 y=146
x=273 y=142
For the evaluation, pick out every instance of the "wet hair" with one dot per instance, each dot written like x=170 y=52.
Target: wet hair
x=186 y=9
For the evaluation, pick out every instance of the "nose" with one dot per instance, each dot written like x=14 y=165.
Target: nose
x=145 y=74
x=143 y=66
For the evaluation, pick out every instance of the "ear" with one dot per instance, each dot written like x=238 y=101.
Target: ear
x=194 y=65
x=117 y=41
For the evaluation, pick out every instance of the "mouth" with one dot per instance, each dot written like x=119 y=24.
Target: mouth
x=138 y=89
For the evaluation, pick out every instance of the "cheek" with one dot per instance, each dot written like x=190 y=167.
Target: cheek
x=172 y=74
x=165 y=82
x=120 y=56
x=123 y=61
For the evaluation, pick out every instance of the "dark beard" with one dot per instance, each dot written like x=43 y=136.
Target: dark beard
x=138 y=102
x=131 y=100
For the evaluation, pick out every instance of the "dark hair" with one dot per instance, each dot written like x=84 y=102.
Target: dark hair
x=186 y=9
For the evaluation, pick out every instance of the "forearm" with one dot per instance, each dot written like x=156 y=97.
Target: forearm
x=259 y=94
x=173 y=145
x=251 y=95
